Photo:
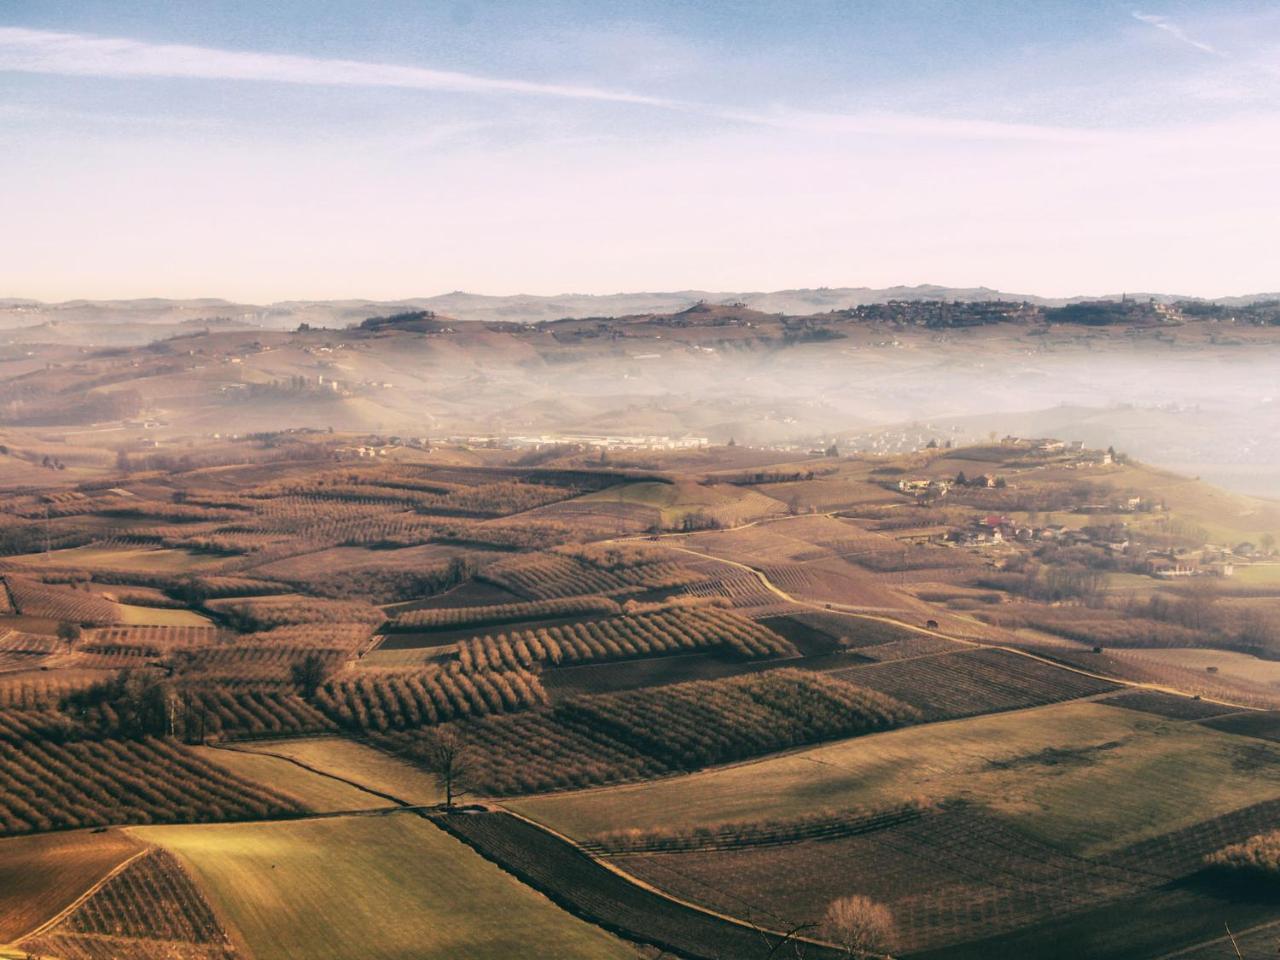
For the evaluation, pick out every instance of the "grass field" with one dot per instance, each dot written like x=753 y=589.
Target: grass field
x=374 y=888
x=730 y=505
x=1229 y=665
x=42 y=875
x=1083 y=775
x=1258 y=575
x=363 y=764
x=1226 y=517
x=314 y=791
x=124 y=559
x=406 y=657
x=159 y=616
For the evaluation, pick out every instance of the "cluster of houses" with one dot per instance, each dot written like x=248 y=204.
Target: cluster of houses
x=898 y=440
x=607 y=441
x=1166 y=564
x=1043 y=444
x=1210 y=561
x=361 y=452
x=934 y=488
x=380 y=447
x=997 y=528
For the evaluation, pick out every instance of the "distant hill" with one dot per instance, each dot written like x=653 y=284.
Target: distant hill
x=65 y=317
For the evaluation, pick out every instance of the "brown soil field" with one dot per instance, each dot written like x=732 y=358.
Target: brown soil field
x=1170 y=705
x=1265 y=725
x=44 y=874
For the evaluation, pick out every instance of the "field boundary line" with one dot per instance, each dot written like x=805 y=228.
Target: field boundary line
x=79 y=901
x=316 y=770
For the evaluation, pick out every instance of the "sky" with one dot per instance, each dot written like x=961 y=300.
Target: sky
x=313 y=149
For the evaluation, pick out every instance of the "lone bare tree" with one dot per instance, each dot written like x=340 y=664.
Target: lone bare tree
x=444 y=753
x=861 y=926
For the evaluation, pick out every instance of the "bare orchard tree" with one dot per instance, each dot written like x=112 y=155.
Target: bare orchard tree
x=308 y=674
x=69 y=632
x=861 y=926
x=444 y=753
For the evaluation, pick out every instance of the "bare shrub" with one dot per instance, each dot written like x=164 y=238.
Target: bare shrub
x=861 y=926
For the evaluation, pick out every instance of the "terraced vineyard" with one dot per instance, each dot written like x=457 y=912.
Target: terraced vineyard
x=162 y=637
x=150 y=910
x=244 y=663
x=256 y=713
x=41 y=691
x=113 y=656
x=1170 y=705
x=677 y=630
x=972 y=682
x=910 y=647
x=250 y=614
x=744 y=591
x=546 y=576
x=449 y=618
x=948 y=877
x=410 y=699
x=623 y=736
x=22 y=651
x=85 y=783
x=32 y=598
x=529 y=752
x=575 y=881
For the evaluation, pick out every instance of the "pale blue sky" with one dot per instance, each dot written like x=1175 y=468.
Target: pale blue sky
x=322 y=149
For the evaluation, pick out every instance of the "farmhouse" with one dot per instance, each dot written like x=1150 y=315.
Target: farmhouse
x=1172 y=567
x=923 y=486
x=1041 y=444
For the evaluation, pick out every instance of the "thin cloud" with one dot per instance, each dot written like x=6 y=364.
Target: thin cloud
x=882 y=123
x=39 y=51
x=72 y=54
x=1171 y=28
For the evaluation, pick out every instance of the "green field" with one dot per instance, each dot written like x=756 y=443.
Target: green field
x=1086 y=776
x=363 y=764
x=319 y=793
x=373 y=888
